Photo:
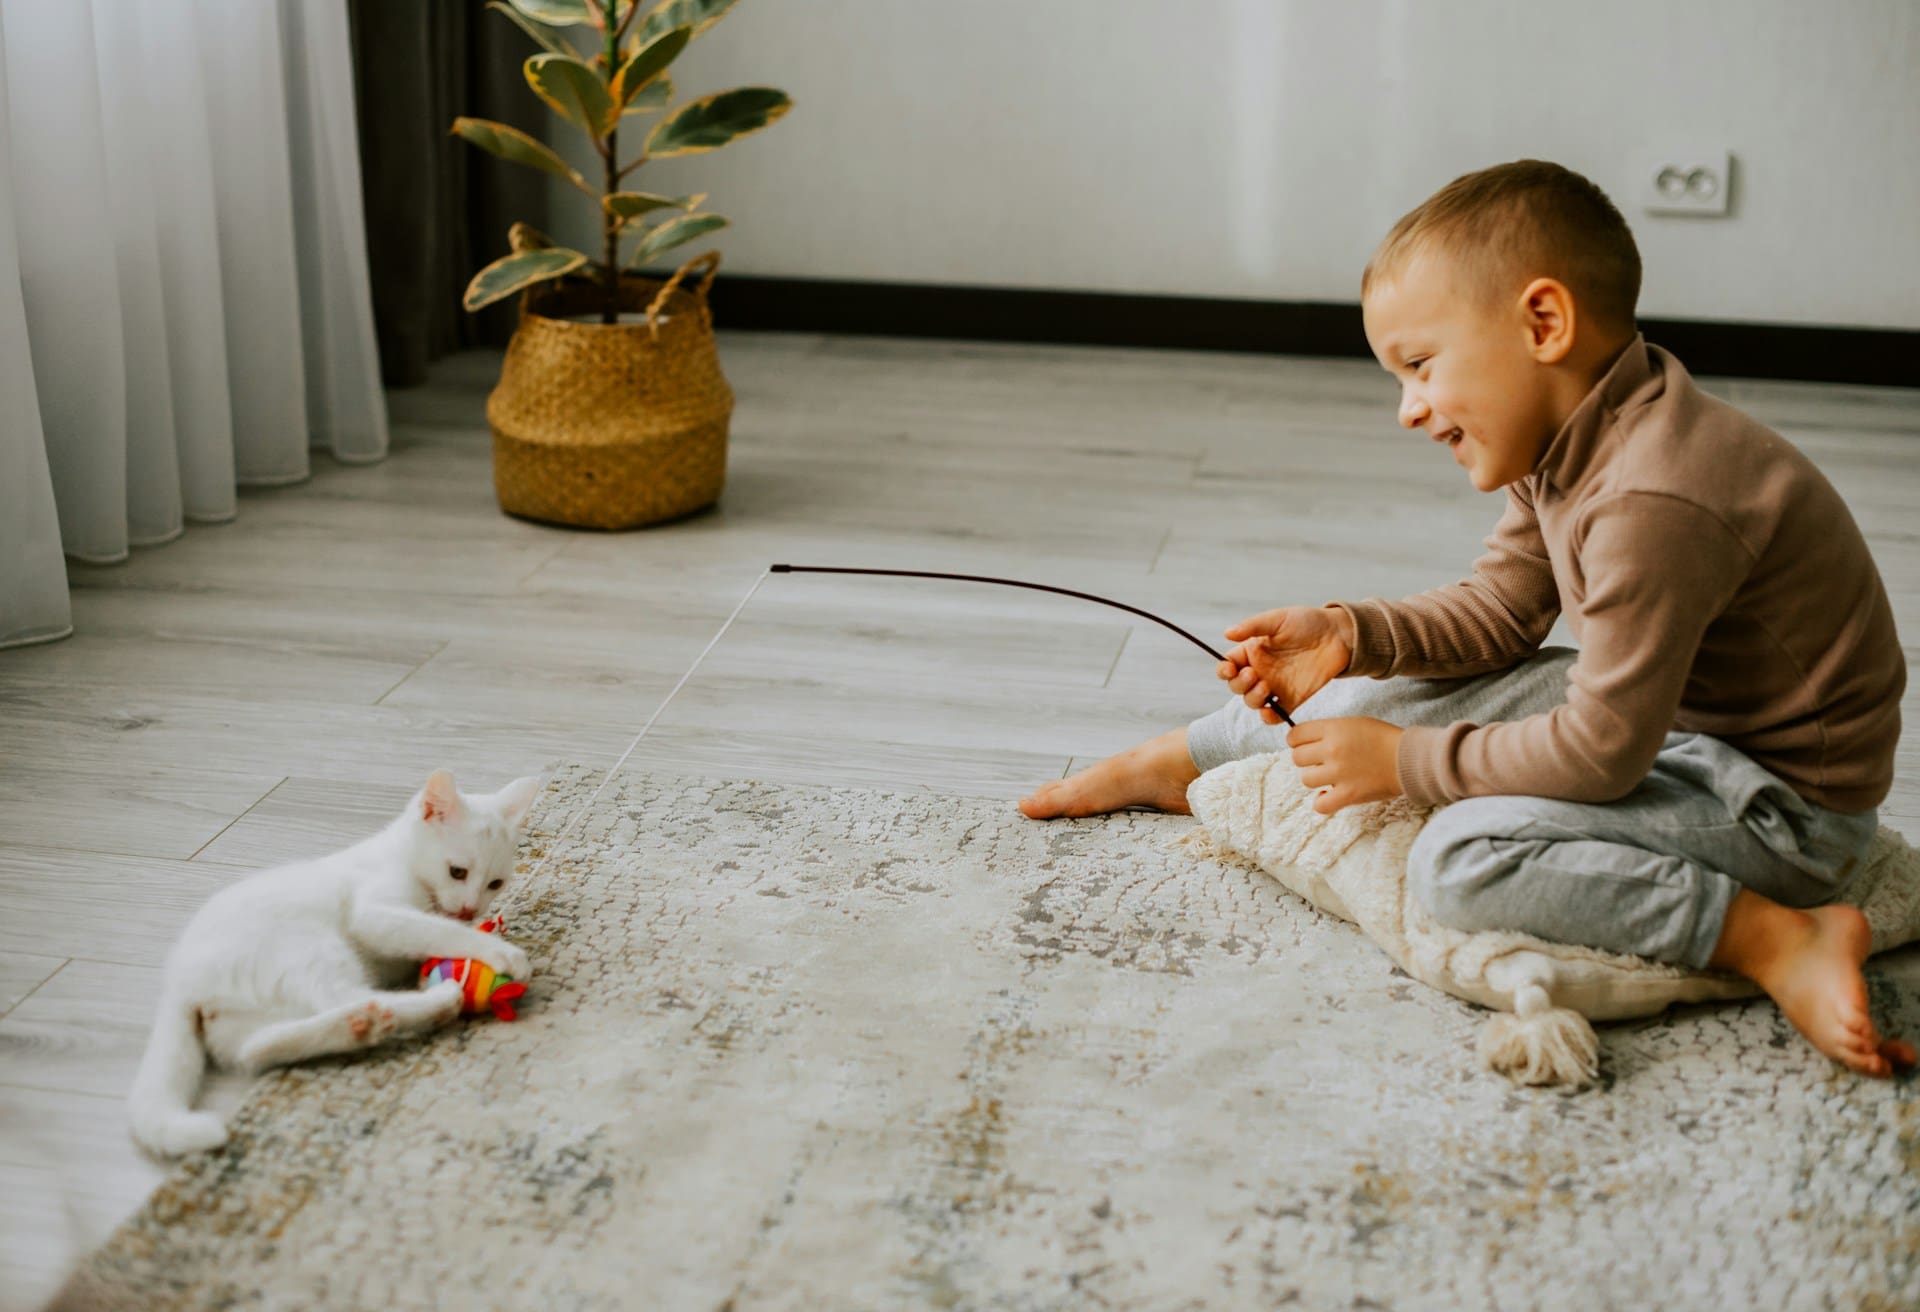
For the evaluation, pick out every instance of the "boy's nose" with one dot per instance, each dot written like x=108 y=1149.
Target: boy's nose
x=1413 y=412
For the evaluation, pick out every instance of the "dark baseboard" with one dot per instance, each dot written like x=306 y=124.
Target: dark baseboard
x=1203 y=323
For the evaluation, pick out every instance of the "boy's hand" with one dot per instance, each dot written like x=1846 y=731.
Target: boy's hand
x=1350 y=761
x=1291 y=653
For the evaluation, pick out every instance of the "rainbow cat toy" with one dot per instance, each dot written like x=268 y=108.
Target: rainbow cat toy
x=480 y=988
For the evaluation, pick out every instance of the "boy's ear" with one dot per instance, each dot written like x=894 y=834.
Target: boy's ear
x=1551 y=318
x=439 y=800
x=516 y=799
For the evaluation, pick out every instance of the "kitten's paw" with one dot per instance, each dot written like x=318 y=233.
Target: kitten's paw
x=255 y=1057
x=371 y=1023
x=506 y=959
x=178 y=1136
x=198 y=1132
x=444 y=1001
x=202 y=1132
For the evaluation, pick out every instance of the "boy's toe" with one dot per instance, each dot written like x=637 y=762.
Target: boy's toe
x=1900 y=1052
x=1038 y=805
x=1856 y=1059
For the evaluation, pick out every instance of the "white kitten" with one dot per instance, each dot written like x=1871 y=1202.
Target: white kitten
x=321 y=956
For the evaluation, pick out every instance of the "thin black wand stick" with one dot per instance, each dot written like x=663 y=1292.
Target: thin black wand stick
x=1272 y=703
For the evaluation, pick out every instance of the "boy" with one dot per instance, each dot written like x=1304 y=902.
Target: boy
x=1700 y=779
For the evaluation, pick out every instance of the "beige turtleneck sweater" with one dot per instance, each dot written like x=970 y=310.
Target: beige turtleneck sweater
x=1716 y=582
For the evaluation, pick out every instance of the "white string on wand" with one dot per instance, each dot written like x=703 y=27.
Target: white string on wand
x=587 y=805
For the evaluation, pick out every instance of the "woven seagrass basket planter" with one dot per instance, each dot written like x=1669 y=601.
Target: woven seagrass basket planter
x=618 y=425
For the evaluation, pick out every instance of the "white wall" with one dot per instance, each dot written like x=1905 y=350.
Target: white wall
x=1259 y=148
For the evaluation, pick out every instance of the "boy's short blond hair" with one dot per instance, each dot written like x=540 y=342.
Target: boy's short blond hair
x=1509 y=224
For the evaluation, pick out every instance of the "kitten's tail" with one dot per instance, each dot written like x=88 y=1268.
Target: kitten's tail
x=160 y=1108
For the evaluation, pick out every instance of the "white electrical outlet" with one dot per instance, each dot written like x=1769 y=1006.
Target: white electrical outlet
x=1686 y=181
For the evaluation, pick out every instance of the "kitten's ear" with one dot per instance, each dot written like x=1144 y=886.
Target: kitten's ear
x=439 y=799
x=516 y=799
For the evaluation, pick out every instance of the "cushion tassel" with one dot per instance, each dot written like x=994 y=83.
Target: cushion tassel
x=1539 y=1043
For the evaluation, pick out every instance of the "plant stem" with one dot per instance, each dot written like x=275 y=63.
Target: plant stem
x=633 y=10
x=610 y=312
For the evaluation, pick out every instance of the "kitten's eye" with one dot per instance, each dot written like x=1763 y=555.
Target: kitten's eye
x=458 y=872
x=496 y=883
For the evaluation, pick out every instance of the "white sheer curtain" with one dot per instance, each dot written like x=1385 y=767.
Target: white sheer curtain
x=180 y=193
x=33 y=581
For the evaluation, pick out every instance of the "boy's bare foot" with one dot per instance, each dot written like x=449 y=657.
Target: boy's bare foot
x=1156 y=774
x=1809 y=963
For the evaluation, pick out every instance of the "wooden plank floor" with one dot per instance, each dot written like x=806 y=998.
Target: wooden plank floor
x=278 y=685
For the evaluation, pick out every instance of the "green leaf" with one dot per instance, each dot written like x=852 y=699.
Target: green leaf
x=522 y=237
x=648 y=62
x=712 y=121
x=574 y=90
x=697 y=14
x=512 y=273
x=532 y=29
x=515 y=145
x=632 y=204
x=675 y=232
x=557 y=13
x=654 y=95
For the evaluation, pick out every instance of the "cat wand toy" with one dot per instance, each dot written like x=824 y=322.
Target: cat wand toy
x=1272 y=702
x=566 y=829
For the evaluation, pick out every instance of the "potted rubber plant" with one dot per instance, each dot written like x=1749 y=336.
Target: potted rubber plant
x=611 y=410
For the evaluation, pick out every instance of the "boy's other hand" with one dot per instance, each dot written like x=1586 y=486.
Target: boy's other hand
x=1291 y=653
x=1348 y=761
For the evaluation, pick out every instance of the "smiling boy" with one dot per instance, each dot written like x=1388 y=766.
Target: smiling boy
x=1697 y=782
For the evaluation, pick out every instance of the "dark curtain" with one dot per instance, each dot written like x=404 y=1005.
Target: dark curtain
x=438 y=209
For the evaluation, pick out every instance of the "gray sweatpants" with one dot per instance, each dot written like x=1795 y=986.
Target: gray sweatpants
x=1650 y=874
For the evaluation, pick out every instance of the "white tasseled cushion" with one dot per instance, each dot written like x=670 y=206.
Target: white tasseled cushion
x=1354 y=865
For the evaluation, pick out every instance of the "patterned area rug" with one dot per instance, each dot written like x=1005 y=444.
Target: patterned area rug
x=804 y=1047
